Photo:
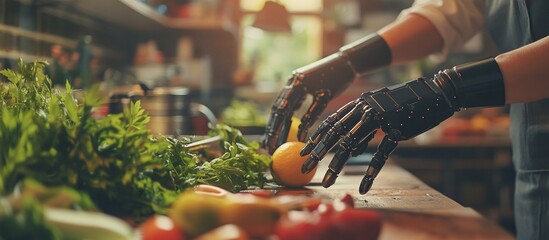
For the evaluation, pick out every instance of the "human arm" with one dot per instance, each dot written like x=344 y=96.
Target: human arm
x=411 y=37
x=524 y=72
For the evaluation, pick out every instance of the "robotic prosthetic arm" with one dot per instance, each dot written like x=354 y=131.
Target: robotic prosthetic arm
x=402 y=112
x=324 y=80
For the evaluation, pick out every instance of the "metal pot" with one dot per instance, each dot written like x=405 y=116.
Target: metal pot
x=171 y=110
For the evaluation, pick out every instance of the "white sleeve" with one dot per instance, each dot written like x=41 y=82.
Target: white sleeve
x=456 y=20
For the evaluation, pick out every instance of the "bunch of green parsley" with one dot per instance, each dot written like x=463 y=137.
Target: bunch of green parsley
x=51 y=136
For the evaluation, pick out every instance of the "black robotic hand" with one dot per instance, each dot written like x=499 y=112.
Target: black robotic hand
x=323 y=80
x=401 y=112
x=317 y=80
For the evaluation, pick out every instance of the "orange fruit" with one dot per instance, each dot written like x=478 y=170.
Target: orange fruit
x=286 y=165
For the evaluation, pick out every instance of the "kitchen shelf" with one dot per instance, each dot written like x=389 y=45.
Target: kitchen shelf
x=23 y=56
x=44 y=37
x=138 y=16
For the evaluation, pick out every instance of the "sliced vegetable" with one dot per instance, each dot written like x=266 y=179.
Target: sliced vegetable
x=160 y=227
x=335 y=220
x=225 y=232
x=297 y=225
x=198 y=213
x=357 y=224
x=85 y=225
x=348 y=199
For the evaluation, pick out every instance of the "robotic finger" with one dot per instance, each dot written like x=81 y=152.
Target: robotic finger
x=333 y=136
x=320 y=101
x=358 y=138
x=289 y=99
x=326 y=125
x=384 y=149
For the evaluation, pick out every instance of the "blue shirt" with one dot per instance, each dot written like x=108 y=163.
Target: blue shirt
x=512 y=24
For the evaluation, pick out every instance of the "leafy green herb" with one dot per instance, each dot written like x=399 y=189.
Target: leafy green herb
x=240 y=167
x=52 y=137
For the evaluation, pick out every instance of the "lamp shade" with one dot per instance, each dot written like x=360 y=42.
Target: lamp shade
x=273 y=17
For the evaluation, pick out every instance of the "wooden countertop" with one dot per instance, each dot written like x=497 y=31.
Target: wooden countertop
x=411 y=209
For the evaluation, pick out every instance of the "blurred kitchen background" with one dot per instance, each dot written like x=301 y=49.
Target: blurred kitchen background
x=194 y=62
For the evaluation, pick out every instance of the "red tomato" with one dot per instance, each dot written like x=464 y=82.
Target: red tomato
x=312 y=204
x=160 y=228
x=225 y=232
x=297 y=225
x=357 y=224
x=305 y=225
x=325 y=229
x=325 y=209
x=348 y=199
x=330 y=221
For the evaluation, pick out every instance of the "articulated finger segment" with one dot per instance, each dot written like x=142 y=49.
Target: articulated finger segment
x=317 y=135
x=326 y=125
x=359 y=135
x=284 y=131
x=309 y=164
x=362 y=133
x=317 y=154
x=302 y=132
x=334 y=134
x=278 y=126
x=386 y=147
x=337 y=163
x=373 y=169
x=363 y=145
x=272 y=130
x=320 y=102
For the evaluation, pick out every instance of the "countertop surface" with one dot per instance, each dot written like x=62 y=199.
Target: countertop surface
x=410 y=209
